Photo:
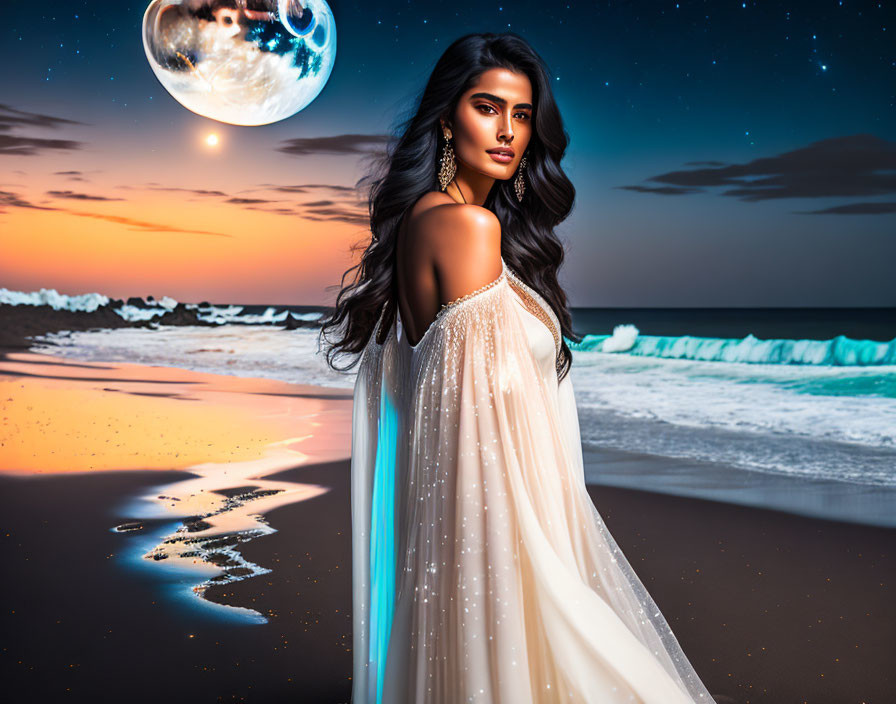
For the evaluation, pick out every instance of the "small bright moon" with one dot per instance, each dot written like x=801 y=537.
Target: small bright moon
x=212 y=140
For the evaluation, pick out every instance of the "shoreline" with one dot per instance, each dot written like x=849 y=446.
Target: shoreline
x=768 y=606
x=822 y=499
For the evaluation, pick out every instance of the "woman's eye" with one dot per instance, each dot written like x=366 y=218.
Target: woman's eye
x=523 y=115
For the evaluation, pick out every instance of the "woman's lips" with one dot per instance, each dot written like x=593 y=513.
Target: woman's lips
x=500 y=157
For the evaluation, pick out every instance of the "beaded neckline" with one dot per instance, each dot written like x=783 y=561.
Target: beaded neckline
x=539 y=307
x=478 y=290
x=452 y=304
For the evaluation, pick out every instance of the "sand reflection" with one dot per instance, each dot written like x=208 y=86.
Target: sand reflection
x=228 y=432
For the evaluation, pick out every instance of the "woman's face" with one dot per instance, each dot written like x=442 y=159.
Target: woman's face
x=496 y=112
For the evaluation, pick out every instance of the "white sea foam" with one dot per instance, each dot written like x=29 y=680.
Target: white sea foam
x=806 y=421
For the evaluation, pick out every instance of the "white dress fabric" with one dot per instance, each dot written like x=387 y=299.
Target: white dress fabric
x=482 y=571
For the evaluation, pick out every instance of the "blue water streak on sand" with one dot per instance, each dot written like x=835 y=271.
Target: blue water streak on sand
x=178 y=581
x=382 y=540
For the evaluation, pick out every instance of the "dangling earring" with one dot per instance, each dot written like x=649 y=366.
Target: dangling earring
x=518 y=183
x=447 y=165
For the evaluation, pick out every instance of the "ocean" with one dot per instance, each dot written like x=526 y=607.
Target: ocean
x=759 y=406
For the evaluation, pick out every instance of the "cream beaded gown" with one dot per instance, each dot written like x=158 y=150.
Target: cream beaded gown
x=482 y=572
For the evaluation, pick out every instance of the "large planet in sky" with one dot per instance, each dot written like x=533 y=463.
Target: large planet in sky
x=244 y=62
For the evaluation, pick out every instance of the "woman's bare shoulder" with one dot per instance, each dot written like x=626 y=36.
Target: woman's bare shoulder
x=436 y=216
x=463 y=242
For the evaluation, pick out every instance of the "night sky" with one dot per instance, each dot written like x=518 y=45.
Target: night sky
x=724 y=153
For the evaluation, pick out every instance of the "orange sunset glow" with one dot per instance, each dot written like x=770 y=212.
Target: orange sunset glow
x=200 y=250
x=115 y=417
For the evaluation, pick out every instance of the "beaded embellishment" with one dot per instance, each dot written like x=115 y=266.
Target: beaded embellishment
x=533 y=301
x=461 y=299
x=540 y=308
x=478 y=290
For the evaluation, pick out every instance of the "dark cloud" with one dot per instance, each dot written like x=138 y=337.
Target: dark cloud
x=72 y=175
x=338 y=144
x=13 y=200
x=143 y=225
x=840 y=167
x=662 y=190
x=346 y=210
x=345 y=215
x=152 y=186
x=78 y=196
x=12 y=145
x=275 y=211
x=855 y=209
x=10 y=118
x=344 y=207
x=309 y=187
x=18 y=145
x=248 y=201
x=319 y=211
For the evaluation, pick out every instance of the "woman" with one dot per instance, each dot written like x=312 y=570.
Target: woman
x=482 y=572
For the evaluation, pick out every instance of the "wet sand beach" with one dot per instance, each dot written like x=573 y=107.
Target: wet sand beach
x=178 y=536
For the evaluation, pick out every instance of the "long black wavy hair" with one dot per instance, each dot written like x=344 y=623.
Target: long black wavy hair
x=409 y=169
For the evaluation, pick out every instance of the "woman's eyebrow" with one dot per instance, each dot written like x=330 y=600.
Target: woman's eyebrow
x=500 y=101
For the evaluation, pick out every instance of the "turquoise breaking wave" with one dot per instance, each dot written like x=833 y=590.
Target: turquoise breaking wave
x=840 y=351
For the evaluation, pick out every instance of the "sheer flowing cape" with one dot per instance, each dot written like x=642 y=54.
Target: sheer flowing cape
x=482 y=571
